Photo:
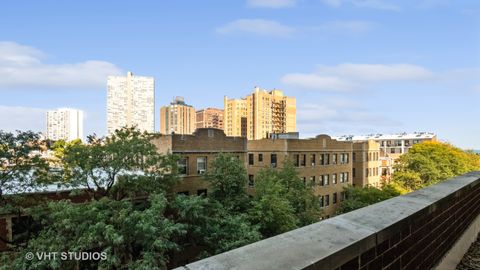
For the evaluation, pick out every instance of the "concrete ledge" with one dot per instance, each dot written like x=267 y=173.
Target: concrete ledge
x=413 y=231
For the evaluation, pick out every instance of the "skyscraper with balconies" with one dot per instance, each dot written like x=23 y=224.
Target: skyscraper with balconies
x=64 y=124
x=259 y=114
x=130 y=102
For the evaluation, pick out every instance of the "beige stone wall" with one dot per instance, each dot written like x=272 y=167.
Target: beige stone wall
x=321 y=145
x=366 y=164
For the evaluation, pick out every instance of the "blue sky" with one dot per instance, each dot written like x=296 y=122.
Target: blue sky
x=355 y=66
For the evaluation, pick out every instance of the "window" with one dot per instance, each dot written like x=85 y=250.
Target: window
x=250 y=159
x=312 y=160
x=334 y=178
x=325 y=180
x=327 y=159
x=321 y=159
x=183 y=166
x=353 y=172
x=327 y=200
x=251 y=180
x=201 y=165
x=334 y=158
x=366 y=172
x=369 y=156
x=334 y=199
x=312 y=180
x=304 y=180
x=304 y=160
x=321 y=201
x=346 y=177
x=260 y=157
x=296 y=160
x=392 y=150
x=346 y=158
x=202 y=192
x=353 y=156
x=342 y=196
x=273 y=160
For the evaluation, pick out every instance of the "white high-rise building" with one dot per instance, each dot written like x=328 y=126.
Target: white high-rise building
x=130 y=102
x=64 y=124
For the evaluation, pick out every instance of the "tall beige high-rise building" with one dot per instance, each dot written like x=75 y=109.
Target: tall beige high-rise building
x=210 y=118
x=259 y=114
x=130 y=102
x=64 y=124
x=178 y=118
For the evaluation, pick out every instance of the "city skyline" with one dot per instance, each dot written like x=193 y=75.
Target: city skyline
x=355 y=67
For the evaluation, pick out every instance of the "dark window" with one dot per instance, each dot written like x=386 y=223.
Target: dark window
x=353 y=156
x=201 y=192
x=312 y=160
x=353 y=172
x=304 y=160
x=327 y=159
x=273 y=160
x=251 y=180
x=23 y=227
x=334 y=199
x=327 y=200
x=321 y=201
x=296 y=160
x=392 y=150
x=183 y=166
x=260 y=157
x=304 y=179
x=250 y=159
x=312 y=180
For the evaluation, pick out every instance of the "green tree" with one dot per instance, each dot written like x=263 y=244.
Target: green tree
x=22 y=169
x=358 y=197
x=131 y=236
x=282 y=201
x=127 y=159
x=228 y=178
x=431 y=162
x=211 y=227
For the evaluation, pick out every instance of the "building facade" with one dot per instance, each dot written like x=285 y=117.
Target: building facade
x=321 y=162
x=197 y=152
x=259 y=114
x=209 y=118
x=130 y=102
x=393 y=145
x=64 y=124
x=366 y=164
x=178 y=118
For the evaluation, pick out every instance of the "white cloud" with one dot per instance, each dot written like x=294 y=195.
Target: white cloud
x=22 y=118
x=374 y=4
x=338 y=117
x=348 y=76
x=333 y=3
x=347 y=27
x=258 y=27
x=316 y=81
x=271 y=3
x=24 y=67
